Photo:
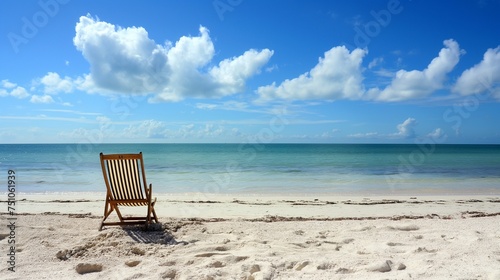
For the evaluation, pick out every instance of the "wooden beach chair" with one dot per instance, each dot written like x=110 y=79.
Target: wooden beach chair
x=126 y=186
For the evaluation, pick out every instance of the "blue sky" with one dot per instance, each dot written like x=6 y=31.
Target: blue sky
x=241 y=71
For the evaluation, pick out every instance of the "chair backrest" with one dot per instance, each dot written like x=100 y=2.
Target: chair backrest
x=124 y=176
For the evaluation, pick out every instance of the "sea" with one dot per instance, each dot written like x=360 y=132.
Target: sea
x=256 y=168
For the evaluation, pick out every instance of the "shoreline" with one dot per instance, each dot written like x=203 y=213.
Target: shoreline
x=238 y=206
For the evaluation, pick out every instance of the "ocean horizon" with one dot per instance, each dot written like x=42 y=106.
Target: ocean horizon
x=253 y=168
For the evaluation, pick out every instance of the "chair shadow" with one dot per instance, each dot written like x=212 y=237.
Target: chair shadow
x=155 y=234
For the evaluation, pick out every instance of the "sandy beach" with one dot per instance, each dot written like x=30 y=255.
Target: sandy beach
x=257 y=237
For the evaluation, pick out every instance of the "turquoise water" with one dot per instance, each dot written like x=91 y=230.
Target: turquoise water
x=265 y=169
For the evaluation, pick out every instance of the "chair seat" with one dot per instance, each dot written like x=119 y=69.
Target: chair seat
x=142 y=202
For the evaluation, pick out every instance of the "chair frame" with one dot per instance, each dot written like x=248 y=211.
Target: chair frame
x=125 y=181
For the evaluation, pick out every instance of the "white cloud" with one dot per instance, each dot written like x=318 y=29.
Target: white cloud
x=364 y=135
x=103 y=119
x=7 y=84
x=146 y=129
x=438 y=133
x=329 y=134
x=406 y=129
x=85 y=83
x=19 y=92
x=12 y=89
x=41 y=99
x=53 y=83
x=194 y=51
x=375 y=62
x=205 y=106
x=417 y=84
x=212 y=130
x=127 y=61
x=91 y=135
x=336 y=76
x=121 y=59
x=232 y=73
x=206 y=131
x=384 y=73
x=75 y=112
x=233 y=105
x=482 y=77
x=272 y=68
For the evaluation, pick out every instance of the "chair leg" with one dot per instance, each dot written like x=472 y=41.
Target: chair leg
x=154 y=216
x=108 y=209
x=119 y=213
x=106 y=213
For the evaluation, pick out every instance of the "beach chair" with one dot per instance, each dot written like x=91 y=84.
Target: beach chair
x=125 y=181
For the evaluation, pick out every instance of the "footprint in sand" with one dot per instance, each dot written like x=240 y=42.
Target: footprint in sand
x=138 y=251
x=325 y=266
x=425 y=250
x=254 y=268
x=169 y=274
x=216 y=264
x=343 y=270
x=348 y=240
x=169 y=263
x=240 y=258
x=234 y=259
x=221 y=249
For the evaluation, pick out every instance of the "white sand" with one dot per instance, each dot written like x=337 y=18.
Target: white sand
x=253 y=237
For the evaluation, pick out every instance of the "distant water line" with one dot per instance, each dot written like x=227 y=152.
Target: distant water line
x=261 y=169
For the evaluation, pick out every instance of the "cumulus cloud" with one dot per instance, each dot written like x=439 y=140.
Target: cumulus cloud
x=438 y=133
x=121 y=59
x=126 y=60
x=338 y=75
x=482 y=77
x=11 y=89
x=205 y=106
x=41 y=99
x=19 y=92
x=7 y=84
x=417 y=84
x=146 y=129
x=53 y=83
x=232 y=73
x=406 y=129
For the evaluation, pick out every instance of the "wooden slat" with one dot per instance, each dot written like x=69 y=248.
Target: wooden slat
x=125 y=179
